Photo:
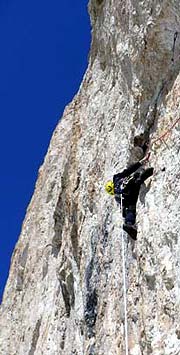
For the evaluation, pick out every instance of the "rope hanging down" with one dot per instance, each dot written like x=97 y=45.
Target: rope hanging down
x=124 y=290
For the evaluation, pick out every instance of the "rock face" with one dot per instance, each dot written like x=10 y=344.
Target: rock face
x=64 y=294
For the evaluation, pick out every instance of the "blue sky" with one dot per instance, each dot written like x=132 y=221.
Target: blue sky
x=44 y=50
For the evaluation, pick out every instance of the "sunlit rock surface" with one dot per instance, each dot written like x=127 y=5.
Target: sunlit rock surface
x=64 y=294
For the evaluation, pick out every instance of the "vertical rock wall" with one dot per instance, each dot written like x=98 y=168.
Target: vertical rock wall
x=64 y=294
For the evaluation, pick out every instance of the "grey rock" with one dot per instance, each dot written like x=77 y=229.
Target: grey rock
x=64 y=294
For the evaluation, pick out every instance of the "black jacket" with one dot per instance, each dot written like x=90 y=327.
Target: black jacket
x=130 y=189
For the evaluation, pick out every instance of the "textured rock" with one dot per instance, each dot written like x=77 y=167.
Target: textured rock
x=64 y=294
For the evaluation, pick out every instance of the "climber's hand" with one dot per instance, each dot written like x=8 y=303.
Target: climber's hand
x=145 y=159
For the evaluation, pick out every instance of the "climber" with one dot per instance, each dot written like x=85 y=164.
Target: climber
x=128 y=183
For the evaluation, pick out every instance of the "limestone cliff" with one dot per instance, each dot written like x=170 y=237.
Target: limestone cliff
x=64 y=294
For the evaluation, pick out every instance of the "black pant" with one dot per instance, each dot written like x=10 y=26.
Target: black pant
x=131 y=194
x=129 y=214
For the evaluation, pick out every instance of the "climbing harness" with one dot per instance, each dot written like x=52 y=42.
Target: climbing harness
x=124 y=289
x=126 y=181
x=122 y=185
x=119 y=190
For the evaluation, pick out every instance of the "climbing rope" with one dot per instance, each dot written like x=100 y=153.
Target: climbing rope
x=161 y=138
x=124 y=289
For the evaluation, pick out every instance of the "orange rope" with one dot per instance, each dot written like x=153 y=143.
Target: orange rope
x=164 y=134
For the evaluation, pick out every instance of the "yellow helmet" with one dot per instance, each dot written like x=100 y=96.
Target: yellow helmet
x=109 y=187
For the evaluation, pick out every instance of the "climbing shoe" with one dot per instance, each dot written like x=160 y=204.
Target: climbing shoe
x=130 y=230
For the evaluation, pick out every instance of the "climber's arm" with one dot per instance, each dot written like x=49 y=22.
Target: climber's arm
x=131 y=169
x=128 y=171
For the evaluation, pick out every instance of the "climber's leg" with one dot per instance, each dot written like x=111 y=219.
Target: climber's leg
x=129 y=224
